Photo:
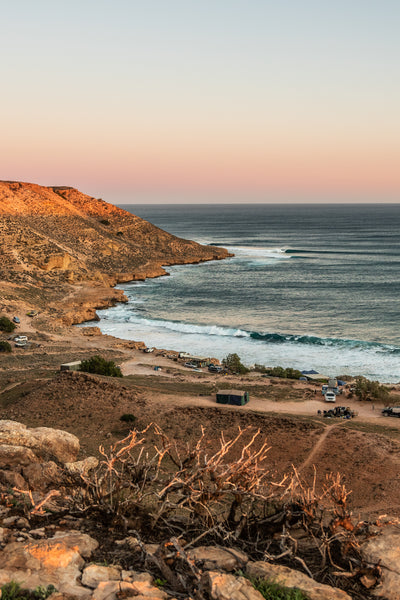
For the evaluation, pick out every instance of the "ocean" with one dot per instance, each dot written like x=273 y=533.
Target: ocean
x=311 y=286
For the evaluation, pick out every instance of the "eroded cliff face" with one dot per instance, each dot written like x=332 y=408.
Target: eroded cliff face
x=54 y=240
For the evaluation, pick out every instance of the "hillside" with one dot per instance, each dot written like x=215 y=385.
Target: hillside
x=55 y=240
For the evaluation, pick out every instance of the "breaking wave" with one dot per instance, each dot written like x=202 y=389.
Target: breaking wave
x=225 y=332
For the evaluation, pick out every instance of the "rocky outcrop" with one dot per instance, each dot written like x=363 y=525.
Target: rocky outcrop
x=220 y=586
x=31 y=445
x=384 y=550
x=55 y=237
x=295 y=579
x=55 y=561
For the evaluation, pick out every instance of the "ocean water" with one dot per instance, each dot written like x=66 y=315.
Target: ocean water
x=310 y=286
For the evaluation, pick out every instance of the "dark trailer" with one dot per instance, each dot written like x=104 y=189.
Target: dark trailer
x=234 y=397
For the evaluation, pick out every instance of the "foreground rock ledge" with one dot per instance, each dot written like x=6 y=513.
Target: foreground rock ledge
x=44 y=442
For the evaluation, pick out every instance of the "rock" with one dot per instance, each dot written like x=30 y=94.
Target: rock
x=384 y=550
x=16 y=456
x=13 y=479
x=3 y=535
x=55 y=561
x=111 y=590
x=209 y=558
x=62 y=445
x=91 y=331
x=41 y=476
x=94 y=574
x=220 y=586
x=18 y=522
x=135 y=576
x=295 y=579
x=38 y=533
x=368 y=581
x=44 y=441
x=82 y=467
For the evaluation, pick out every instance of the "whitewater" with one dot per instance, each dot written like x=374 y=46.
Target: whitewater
x=309 y=287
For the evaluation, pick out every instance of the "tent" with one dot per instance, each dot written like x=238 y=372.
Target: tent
x=233 y=397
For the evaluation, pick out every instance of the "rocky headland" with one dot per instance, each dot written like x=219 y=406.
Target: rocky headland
x=62 y=251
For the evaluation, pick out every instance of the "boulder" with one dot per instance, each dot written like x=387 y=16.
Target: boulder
x=44 y=441
x=295 y=579
x=384 y=549
x=136 y=576
x=94 y=574
x=55 y=561
x=13 y=479
x=62 y=445
x=220 y=586
x=82 y=467
x=111 y=590
x=41 y=476
x=211 y=558
x=16 y=456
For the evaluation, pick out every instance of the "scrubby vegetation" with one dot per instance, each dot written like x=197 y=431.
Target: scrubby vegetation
x=5 y=347
x=13 y=591
x=186 y=493
x=365 y=389
x=6 y=325
x=287 y=373
x=127 y=418
x=179 y=496
x=100 y=366
x=272 y=591
x=233 y=364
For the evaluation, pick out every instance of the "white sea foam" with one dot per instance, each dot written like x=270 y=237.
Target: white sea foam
x=352 y=358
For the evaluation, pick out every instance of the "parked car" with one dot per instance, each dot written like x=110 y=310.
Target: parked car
x=21 y=339
x=391 y=411
x=330 y=396
x=16 y=320
x=190 y=365
x=214 y=368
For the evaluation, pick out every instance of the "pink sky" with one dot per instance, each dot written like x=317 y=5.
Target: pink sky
x=242 y=98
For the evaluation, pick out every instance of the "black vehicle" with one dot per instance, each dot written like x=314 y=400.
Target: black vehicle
x=391 y=411
x=214 y=369
x=344 y=412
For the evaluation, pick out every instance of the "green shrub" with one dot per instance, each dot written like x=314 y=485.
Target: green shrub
x=288 y=373
x=13 y=591
x=6 y=325
x=5 y=347
x=260 y=368
x=365 y=389
x=100 y=366
x=232 y=363
x=127 y=418
x=272 y=591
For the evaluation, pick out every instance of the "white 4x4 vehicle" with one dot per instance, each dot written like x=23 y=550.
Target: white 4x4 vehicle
x=330 y=396
x=21 y=338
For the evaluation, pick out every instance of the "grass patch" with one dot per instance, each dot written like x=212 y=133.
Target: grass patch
x=273 y=591
x=166 y=385
x=385 y=430
x=13 y=591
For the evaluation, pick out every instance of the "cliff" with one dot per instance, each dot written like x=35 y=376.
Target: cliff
x=55 y=240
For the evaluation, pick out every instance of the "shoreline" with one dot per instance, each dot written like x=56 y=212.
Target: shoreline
x=201 y=343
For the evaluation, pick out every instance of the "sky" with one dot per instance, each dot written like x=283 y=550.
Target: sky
x=203 y=100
